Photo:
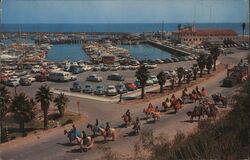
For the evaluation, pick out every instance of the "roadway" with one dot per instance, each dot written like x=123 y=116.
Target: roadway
x=52 y=144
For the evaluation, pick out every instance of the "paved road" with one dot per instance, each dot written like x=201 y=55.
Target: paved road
x=51 y=146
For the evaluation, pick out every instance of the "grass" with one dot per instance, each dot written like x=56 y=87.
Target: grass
x=35 y=125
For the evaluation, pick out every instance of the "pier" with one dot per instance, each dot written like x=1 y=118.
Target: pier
x=167 y=48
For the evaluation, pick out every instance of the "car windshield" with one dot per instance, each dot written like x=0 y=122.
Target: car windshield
x=110 y=87
x=88 y=86
x=99 y=87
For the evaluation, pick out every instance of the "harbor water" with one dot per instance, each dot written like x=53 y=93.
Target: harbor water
x=143 y=51
x=72 y=52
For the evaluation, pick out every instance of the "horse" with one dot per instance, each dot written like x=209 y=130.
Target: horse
x=136 y=128
x=72 y=135
x=86 y=143
x=198 y=111
x=102 y=132
x=211 y=111
x=126 y=120
x=218 y=98
x=154 y=114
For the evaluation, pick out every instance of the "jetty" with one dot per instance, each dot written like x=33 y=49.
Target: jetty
x=167 y=48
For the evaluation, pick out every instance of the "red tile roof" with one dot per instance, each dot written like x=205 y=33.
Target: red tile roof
x=210 y=32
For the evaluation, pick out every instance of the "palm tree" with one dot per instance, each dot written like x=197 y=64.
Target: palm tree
x=202 y=61
x=179 y=31
x=188 y=75
x=215 y=52
x=243 y=25
x=44 y=96
x=209 y=63
x=4 y=102
x=180 y=74
x=22 y=110
x=195 y=70
x=161 y=80
x=142 y=75
x=61 y=102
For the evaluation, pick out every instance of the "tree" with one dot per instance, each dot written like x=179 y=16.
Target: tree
x=188 y=75
x=243 y=25
x=22 y=110
x=180 y=74
x=215 y=52
x=142 y=75
x=5 y=100
x=161 y=80
x=195 y=70
x=201 y=61
x=209 y=63
x=61 y=103
x=44 y=96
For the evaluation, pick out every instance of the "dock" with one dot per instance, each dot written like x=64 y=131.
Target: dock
x=167 y=48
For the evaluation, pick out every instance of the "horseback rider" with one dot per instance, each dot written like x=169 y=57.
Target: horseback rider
x=107 y=129
x=150 y=108
x=173 y=100
x=167 y=103
x=137 y=125
x=198 y=93
x=185 y=92
x=128 y=114
x=156 y=109
x=96 y=122
x=203 y=92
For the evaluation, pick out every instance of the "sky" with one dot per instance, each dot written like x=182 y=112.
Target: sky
x=123 y=11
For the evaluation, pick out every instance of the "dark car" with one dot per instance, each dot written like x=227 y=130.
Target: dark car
x=77 y=70
x=25 y=82
x=88 y=88
x=76 y=87
x=41 y=78
x=116 y=77
x=100 y=90
x=121 y=88
x=138 y=84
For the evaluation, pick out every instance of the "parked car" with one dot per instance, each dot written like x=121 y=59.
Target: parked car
x=116 y=77
x=131 y=86
x=86 y=68
x=88 y=88
x=125 y=67
x=100 y=90
x=76 y=70
x=114 y=68
x=25 y=81
x=12 y=82
x=137 y=83
x=96 y=68
x=159 y=61
x=20 y=73
x=40 y=78
x=149 y=82
x=76 y=87
x=121 y=88
x=94 y=78
x=104 y=68
x=111 y=91
x=35 y=69
x=153 y=78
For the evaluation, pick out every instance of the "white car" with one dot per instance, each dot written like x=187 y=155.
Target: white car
x=149 y=82
x=8 y=72
x=134 y=67
x=94 y=78
x=111 y=90
x=36 y=69
x=86 y=68
x=153 y=78
x=12 y=82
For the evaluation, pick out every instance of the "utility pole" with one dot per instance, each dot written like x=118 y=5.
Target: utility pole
x=1 y=12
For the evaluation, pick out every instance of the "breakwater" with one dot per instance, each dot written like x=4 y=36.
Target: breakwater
x=167 y=48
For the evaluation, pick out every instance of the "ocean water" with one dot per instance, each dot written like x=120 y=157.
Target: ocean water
x=114 y=27
x=64 y=52
x=143 y=51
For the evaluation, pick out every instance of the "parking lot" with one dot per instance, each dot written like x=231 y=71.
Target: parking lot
x=128 y=74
